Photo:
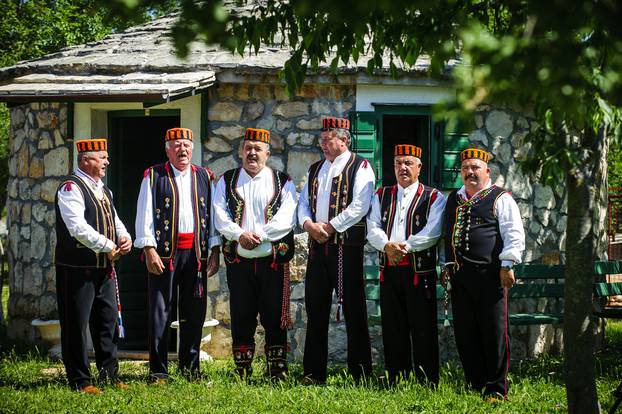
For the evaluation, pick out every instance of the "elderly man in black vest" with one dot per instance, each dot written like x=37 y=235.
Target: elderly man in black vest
x=174 y=227
x=255 y=211
x=332 y=209
x=90 y=237
x=484 y=238
x=404 y=225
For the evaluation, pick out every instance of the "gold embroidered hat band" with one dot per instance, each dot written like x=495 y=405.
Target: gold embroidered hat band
x=95 y=144
x=407 y=149
x=255 y=134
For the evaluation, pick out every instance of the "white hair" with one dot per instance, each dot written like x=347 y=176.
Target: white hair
x=343 y=134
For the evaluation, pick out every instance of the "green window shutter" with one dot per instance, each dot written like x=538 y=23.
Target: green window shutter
x=364 y=130
x=455 y=138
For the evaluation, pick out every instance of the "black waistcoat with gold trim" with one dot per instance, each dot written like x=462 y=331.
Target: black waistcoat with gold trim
x=416 y=216
x=99 y=214
x=166 y=208
x=341 y=194
x=282 y=249
x=471 y=228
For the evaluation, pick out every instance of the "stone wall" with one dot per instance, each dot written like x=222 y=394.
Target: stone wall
x=39 y=157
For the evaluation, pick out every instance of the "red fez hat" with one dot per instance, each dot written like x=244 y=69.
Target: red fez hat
x=329 y=123
x=254 y=134
x=95 y=144
x=178 y=133
x=475 y=153
x=407 y=149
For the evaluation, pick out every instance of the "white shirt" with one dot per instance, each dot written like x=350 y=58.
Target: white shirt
x=256 y=192
x=427 y=237
x=145 y=234
x=72 y=207
x=362 y=192
x=510 y=226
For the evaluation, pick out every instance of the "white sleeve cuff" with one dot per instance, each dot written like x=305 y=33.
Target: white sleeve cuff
x=144 y=242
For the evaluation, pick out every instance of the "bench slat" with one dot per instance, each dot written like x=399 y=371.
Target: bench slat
x=536 y=290
x=603 y=289
x=610 y=267
x=535 y=318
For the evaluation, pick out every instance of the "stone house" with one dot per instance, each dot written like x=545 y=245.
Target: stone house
x=130 y=87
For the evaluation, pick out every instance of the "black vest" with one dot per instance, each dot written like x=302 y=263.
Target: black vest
x=99 y=214
x=283 y=249
x=340 y=198
x=416 y=216
x=166 y=205
x=471 y=228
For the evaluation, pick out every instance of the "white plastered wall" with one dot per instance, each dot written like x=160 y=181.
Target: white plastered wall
x=91 y=119
x=366 y=95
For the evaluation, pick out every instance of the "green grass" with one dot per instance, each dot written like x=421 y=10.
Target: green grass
x=33 y=384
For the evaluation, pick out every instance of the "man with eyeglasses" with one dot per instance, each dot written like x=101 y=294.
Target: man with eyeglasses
x=404 y=225
x=484 y=238
x=332 y=209
x=175 y=229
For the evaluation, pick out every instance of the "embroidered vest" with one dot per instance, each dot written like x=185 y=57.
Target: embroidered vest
x=340 y=198
x=282 y=249
x=99 y=214
x=166 y=208
x=472 y=229
x=416 y=216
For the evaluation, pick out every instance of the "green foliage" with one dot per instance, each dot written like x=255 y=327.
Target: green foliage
x=614 y=164
x=32 y=28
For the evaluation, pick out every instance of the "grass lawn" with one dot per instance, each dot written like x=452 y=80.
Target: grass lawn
x=30 y=383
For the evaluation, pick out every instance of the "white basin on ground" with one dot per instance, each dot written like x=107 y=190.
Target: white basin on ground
x=206 y=336
x=50 y=332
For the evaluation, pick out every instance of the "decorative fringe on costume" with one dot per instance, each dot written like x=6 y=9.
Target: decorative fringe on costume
x=339 y=281
x=113 y=275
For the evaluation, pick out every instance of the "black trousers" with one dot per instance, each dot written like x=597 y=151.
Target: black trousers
x=87 y=297
x=255 y=288
x=409 y=324
x=173 y=293
x=479 y=308
x=320 y=282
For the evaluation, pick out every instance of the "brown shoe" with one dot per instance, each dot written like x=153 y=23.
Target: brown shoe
x=90 y=389
x=157 y=381
x=122 y=386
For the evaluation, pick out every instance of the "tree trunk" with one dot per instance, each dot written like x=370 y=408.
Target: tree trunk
x=584 y=243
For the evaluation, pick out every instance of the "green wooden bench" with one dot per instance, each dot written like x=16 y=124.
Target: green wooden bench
x=534 y=281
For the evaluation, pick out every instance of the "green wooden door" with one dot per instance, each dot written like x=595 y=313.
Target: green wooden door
x=454 y=138
x=365 y=141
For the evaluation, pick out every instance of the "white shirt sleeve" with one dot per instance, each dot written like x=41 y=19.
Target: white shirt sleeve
x=511 y=228
x=375 y=234
x=285 y=218
x=71 y=206
x=304 y=210
x=431 y=232
x=223 y=222
x=214 y=237
x=145 y=235
x=361 y=199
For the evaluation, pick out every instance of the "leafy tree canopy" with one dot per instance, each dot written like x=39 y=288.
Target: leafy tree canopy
x=32 y=28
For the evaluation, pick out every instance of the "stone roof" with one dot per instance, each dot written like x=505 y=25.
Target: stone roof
x=149 y=48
